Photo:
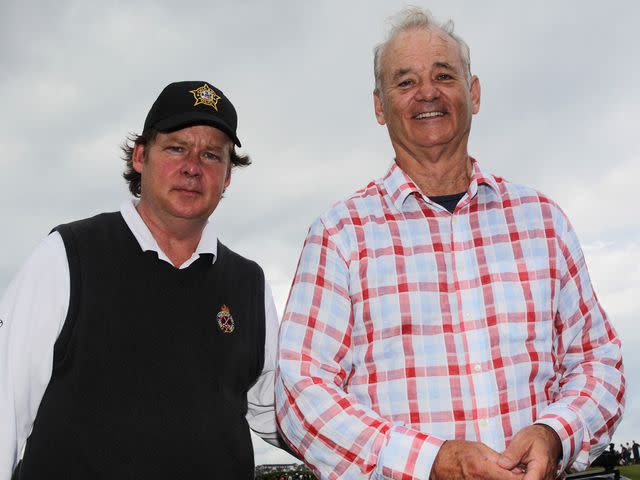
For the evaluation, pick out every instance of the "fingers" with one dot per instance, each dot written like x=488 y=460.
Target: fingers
x=490 y=468
x=493 y=471
x=473 y=460
x=507 y=462
x=534 y=448
x=536 y=471
x=488 y=452
x=515 y=453
x=494 y=457
x=540 y=471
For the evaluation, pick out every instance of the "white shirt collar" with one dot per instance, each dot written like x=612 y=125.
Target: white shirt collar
x=208 y=240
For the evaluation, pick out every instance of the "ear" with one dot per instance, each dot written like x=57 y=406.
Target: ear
x=228 y=179
x=377 y=107
x=475 y=94
x=137 y=157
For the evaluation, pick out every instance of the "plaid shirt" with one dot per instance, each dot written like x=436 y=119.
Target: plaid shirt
x=407 y=325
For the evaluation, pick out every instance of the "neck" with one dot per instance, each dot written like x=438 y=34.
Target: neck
x=437 y=172
x=177 y=237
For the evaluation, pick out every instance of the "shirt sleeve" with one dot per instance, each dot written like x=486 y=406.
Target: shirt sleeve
x=260 y=397
x=335 y=433
x=32 y=312
x=590 y=401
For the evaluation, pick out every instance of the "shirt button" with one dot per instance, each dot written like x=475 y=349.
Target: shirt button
x=484 y=422
x=467 y=315
x=477 y=367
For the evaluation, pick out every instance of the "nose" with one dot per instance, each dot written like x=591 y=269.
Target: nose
x=191 y=165
x=427 y=91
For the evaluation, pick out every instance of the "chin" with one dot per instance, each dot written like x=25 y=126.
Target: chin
x=189 y=213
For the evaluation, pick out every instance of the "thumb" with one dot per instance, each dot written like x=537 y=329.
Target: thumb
x=514 y=454
x=509 y=459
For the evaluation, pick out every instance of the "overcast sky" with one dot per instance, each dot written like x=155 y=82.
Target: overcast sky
x=560 y=103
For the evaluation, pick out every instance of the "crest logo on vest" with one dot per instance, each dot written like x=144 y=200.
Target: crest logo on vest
x=225 y=320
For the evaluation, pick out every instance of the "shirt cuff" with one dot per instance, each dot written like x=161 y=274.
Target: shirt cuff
x=407 y=454
x=573 y=434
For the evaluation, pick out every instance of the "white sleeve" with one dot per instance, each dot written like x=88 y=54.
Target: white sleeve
x=261 y=413
x=32 y=312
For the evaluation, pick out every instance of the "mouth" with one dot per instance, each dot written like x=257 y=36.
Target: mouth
x=187 y=191
x=423 y=115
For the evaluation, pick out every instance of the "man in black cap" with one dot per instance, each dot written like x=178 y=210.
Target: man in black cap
x=134 y=344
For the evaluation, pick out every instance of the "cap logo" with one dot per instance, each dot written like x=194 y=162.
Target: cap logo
x=225 y=320
x=206 y=96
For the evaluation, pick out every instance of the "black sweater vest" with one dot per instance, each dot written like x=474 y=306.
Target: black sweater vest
x=146 y=384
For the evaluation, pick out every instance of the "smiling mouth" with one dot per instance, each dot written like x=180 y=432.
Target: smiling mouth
x=422 y=115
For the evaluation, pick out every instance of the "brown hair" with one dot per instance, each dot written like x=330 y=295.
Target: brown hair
x=134 y=179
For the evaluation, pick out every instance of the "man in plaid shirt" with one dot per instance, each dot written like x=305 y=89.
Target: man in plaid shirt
x=441 y=323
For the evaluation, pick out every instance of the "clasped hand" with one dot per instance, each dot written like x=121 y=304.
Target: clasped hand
x=532 y=454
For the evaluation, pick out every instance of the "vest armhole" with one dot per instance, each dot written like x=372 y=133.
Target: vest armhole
x=60 y=347
x=262 y=320
x=224 y=254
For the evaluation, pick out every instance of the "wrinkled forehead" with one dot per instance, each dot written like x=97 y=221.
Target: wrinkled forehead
x=197 y=134
x=420 y=46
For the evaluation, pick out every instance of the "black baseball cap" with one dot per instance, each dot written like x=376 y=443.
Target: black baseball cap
x=185 y=104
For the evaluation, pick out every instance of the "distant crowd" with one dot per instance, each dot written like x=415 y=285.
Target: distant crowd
x=627 y=455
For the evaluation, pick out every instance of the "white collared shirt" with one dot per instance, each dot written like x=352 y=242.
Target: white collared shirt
x=33 y=311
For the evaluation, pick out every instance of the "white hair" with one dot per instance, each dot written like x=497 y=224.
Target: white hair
x=416 y=18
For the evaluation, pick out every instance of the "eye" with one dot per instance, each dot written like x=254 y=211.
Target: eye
x=210 y=156
x=175 y=149
x=405 y=83
x=444 y=76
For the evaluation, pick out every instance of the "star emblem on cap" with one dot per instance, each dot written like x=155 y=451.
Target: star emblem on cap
x=205 y=95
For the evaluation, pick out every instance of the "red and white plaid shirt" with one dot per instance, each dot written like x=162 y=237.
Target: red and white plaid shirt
x=408 y=325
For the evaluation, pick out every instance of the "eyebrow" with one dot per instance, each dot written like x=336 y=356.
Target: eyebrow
x=403 y=71
x=214 y=147
x=444 y=65
x=209 y=146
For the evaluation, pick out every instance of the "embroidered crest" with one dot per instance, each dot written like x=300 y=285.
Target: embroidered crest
x=225 y=320
x=205 y=95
